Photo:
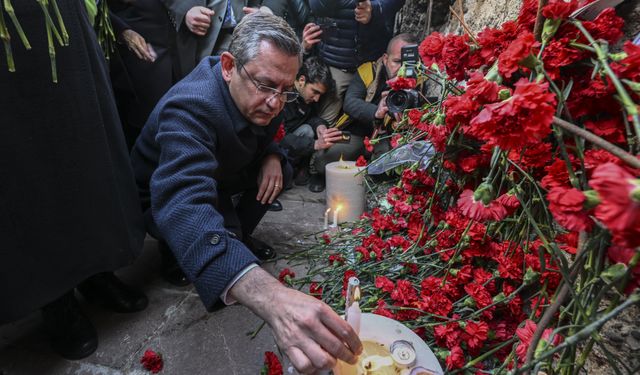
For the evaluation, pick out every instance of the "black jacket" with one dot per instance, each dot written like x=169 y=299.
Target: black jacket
x=296 y=12
x=347 y=43
x=297 y=113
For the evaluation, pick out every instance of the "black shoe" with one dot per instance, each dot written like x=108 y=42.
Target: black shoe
x=108 y=291
x=275 y=206
x=316 y=183
x=302 y=177
x=259 y=248
x=70 y=332
x=171 y=271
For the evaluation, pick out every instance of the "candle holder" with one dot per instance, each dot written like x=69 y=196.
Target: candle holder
x=345 y=191
x=390 y=348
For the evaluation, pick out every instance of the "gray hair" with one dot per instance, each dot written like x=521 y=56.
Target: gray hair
x=262 y=26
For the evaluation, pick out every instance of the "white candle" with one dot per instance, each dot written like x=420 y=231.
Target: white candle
x=353 y=316
x=326 y=218
x=345 y=187
x=335 y=215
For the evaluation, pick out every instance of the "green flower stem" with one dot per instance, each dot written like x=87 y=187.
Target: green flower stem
x=8 y=7
x=626 y=100
x=550 y=312
x=584 y=333
x=484 y=356
x=610 y=147
x=63 y=29
x=6 y=41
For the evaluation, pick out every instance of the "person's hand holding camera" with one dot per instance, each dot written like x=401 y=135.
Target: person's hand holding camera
x=198 y=20
x=326 y=137
x=310 y=35
x=363 y=12
x=382 y=106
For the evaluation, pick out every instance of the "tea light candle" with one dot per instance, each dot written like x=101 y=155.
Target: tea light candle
x=346 y=190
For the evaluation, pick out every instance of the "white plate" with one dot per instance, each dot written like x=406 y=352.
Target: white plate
x=385 y=331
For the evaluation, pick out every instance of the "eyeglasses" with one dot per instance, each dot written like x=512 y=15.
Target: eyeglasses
x=270 y=92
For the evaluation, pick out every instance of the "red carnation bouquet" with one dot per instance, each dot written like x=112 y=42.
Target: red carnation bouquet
x=520 y=238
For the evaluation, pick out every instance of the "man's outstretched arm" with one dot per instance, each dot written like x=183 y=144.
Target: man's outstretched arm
x=311 y=334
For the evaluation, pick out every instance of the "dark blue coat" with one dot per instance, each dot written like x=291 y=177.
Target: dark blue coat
x=347 y=43
x=195 y=139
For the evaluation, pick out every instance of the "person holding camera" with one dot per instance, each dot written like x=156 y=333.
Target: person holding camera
x=305 y=131
x=365 y=105
x=346 y=34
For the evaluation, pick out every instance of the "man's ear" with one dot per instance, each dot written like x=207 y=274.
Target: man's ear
x=385 y=58
x=228 y=64
x=302 y=79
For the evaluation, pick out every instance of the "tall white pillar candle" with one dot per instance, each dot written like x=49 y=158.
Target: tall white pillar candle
x=345 y=188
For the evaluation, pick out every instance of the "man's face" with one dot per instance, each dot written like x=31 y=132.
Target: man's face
x=271 y=68
x=393 y=59
x=310 y=92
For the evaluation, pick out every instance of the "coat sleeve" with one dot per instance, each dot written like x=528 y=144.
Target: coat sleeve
x=178 y=9
x=183 y=197
x=355 y=104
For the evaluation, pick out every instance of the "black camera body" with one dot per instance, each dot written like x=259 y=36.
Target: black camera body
x=400 y=100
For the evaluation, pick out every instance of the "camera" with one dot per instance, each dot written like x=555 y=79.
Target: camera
x=329 y=25
x=400 y=100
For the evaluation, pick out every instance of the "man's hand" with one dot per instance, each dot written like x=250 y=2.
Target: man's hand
x=310 y=35
x=198 y=20
x=311 y=334
x=269 y=179
x=326 y=137
x=249 y=10
x=382 y=106
x=136 y=43
x=363 y=12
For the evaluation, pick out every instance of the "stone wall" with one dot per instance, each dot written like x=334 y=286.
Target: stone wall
x=479 y=14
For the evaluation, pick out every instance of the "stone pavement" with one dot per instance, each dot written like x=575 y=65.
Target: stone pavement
x=191 y=340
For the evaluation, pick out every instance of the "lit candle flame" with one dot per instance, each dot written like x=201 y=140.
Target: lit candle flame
x=342 y=164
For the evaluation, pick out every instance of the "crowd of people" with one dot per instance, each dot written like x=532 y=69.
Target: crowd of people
x=176 y=137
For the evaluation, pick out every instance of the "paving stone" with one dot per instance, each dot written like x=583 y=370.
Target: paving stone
x=176 y=324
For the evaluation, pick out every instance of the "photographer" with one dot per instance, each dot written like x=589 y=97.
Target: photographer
x=364 y=105
x=348 y=33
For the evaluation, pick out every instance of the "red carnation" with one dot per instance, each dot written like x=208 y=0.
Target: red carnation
x=431 y=48
x=382 y=310
x=404 y=293
x=448 y=335
x=345 y=280
x=361 y=161
x=525 y=116
x=619 y=209
x=477 y=334
x=272 y=365
x=455 y=359
x=367 y=144
x=401 y=83
x=455 y=54
x=525 y=334
x=279 y=134
x=315 y=290
x=286 y=275
x=479 y=294
x=567 y=205
x=474 y=207
x=519 y=50
x=385 y=284
x=559 y=9
x=152 y=361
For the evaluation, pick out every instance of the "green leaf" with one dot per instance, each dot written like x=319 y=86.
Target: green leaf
x=614 y=272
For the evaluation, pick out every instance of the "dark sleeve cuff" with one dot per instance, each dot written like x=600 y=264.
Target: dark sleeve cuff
x=212 y=262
